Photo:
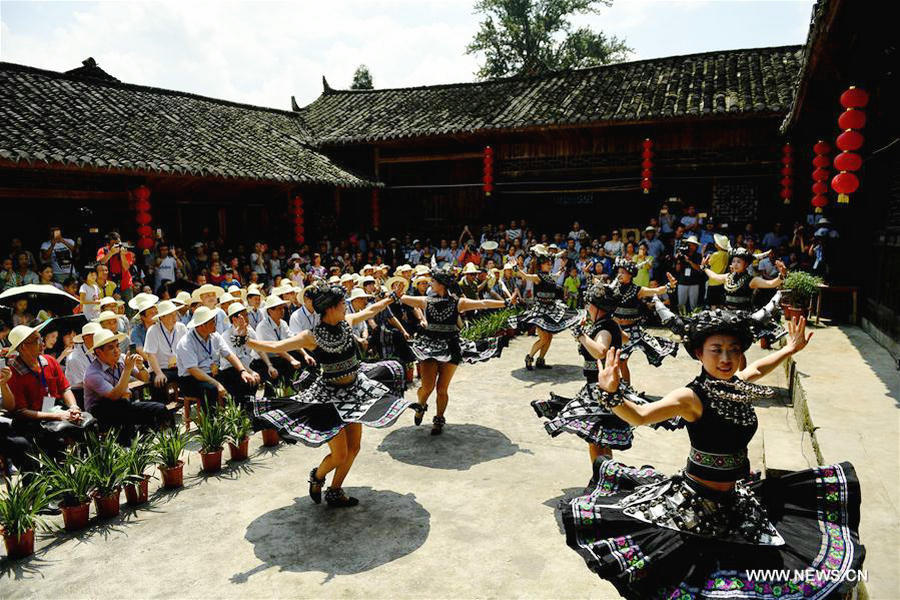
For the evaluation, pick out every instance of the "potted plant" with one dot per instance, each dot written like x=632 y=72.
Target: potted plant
x=20 y=503
x=801 y=288
x=169 y=445
x=138 y=458
x=70 y=480
x=108 y=470
x=238 y=427
x=212 y=434
x=280 y=389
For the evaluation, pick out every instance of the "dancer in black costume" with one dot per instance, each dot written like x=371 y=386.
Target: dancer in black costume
x=439 y=347
x=347 y=394
x=697 y=533
x=549 y=314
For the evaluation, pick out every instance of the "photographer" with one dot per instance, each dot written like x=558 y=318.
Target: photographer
x=60 y=252
x=689 y=273
x=118 y=260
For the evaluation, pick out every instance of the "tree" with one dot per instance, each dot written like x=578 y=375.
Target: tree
x=527 y=37
x=362 y=79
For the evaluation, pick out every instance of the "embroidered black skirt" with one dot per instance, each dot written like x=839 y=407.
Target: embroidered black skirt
x=549 y=316
x=655 y=348
x=319 y=412
x=456 y=350
x=654 y=536
x=584 y=416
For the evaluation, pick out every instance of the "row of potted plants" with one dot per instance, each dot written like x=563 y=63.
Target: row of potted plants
x=101 y=468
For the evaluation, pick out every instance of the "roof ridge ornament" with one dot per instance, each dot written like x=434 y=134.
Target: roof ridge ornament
x=326 y=89
x=294 y=106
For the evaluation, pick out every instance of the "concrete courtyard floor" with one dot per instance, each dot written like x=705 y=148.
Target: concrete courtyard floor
x=464 y=515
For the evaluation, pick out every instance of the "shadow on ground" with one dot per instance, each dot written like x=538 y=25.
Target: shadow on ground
x=558 y=374
x=459 y=448
x=305 y=537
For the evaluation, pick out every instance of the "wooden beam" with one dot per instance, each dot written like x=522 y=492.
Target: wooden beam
x=427 y=157
x=62 y=193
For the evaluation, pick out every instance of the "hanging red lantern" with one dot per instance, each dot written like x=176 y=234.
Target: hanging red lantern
x=845 y=183
x=787 y=181
x=820 y=174
x=376 y=209
x=646 y=184
x=646 y=173
x=819 y=201
x=299 y=230
x=647 y=144
x=821 y=147
x=821 y=161
x=785 y=194
x=647 y=165
x=819 y=188
x=487 y=179
x=143 y=218
x=847 y=161
x=142 y=206
x=145 y=243
x=142 y=193
x=647 y=153
x=145 y=231
x=787 y=149
x=854 y=97
x=787 y=170
x=787 y=159
x=850 y=140
x=852 y=118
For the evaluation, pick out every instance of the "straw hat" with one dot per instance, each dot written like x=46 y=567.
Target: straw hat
x=284 y=288
x=366 y=268
x=347 y=277
x=166 y=307
x=106 y=315
x=403 y=269
x=489 y=245
x=253 y=290
x=202 y=315
x=88 y=329
x=273 y=301
x=182 y=299
x=358 y=293
x=108 y=301
x=722 y=241
x=226 y=299
x=235 y=309
x=143 y=301
x=234 y=289
x=691 y=240
x=470 y=269
x=422 y=270
x=420 y=279
x=403 y=281
x=20 y=333
x=367 y=279
x=206 y=288
x=334 y=279
x=105 y=336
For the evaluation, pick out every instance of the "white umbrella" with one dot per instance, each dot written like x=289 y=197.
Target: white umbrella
x=42 y=297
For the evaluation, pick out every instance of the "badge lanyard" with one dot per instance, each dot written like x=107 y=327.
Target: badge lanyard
x=206 y=347
x=275 y=329
x=166 y=337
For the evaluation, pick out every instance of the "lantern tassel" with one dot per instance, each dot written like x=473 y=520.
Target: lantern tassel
x=843 y=199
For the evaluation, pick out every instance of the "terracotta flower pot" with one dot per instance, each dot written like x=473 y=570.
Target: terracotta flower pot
x=791 y=312
x=19 y=546
x=270 y=437
x=76 y=517
x=172 y=477
x=136 y=495
x=108 y=506
x=212 y=461
x=240 y=451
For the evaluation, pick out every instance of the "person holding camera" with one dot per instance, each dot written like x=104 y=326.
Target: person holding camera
x=689 y=273
x=59 y=252
x=118 y=260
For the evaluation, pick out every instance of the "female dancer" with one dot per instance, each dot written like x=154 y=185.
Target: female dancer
x=628 y=315
x=347 y=395
x=698 y=533
x=439 y=347
x=583 y=415
x=549 y=314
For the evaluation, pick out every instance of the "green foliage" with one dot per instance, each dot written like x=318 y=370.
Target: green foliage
x=803 y=287
x=237 y=424
x=488 y=325
x=20 y=503
x=211 y=431
x=528 y=37
x=108 y=464
x=169 y=444
x=280 y=388
x=139 y=457
x=70 y=479
x=362 y=79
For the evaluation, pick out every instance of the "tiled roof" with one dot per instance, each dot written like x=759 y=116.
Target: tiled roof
x=80 y=118
x=730 y=82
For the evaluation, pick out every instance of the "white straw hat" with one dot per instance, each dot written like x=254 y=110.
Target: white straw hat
x=105 y=336
x=470 y=268
x=143 y=301
x=182 y=299
x=88 y=329
x=20 y=333
x=106 y=315
x=358 y=293
x=166 y=307
x=273 y=301
x=202 y=315
x=235 y=309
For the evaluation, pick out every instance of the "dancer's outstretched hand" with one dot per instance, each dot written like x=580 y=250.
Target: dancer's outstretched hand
x=609 y=374
x=797 y=338
x=672 y=281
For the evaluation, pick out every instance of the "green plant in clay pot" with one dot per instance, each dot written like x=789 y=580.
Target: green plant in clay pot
x=212 y=435
x=169 y=445
x=21 y=501
x=801 y=287
x=108 y=470
x=71 y=480
x=238 y=429
x=139 y=457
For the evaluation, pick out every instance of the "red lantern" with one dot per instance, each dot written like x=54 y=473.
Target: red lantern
x=850 y=140
x=488 y=174
x=847 y=161
x=852 y=119
x=845 y=183
x=145 y=231
x=646 y=174
x=854 y=97
x=820 y=174
x=787 y=182
x=142 y=193
x=787 y=170
x=646 y=184
x=143 y=218
x=787 y=149
x=142 y=206
x=785 y=193
x=821 y=147
x=819 y=201
x=145 y=243
x=819 y=188
x=376 y=209
x=647 y=164
x=647 y=153
x=647 y=143
x=821 y=161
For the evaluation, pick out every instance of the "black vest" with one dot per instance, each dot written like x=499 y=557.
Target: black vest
x=335 y=350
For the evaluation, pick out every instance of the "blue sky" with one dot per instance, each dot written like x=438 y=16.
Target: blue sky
x=264 y=52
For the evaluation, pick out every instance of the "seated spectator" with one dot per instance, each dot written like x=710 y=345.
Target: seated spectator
x=35 y=385
x=45 y=276
x=80 y=359
x=305 y=318
x=613 y=247
x=159 y=348
x=23 y=275
x=145 y=305
x=273 y=328
x=199 y=356
x=254 y=299
x=208 y=296
x=252 y=361
x=106 y=392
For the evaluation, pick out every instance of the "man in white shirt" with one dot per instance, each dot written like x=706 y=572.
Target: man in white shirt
x=273 y=328
x=208 y=296
x=613 y=247
x=260 y=364
x=59 y=251
x=254 y=299
x=80 y=359
x=166 y=266
x=159 y=346
x=305 y=318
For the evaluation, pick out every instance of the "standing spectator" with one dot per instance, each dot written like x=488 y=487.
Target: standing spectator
x=167 y=266
x=689 y=274
x=118 y=260
x=46 y=277
x=774 y=238
x=690 y=221
x=60 y=252
x=717 y=263
x=571 y=287
x=666 y=222
x=89 y=294
x=7 y=275
x=23 y=275
x=614 y=246
x=107 y=288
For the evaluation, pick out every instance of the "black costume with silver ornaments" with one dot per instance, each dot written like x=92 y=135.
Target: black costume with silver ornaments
x=440 y=339
x=738 y=293
x=629 y=308
x=547 y=311
x=319 y=412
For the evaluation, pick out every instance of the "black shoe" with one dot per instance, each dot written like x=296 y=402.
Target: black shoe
x=420 y=412
x=529 y=362
x=540 y=364
x=315 y=486
x=336 y=498
x=437 y=425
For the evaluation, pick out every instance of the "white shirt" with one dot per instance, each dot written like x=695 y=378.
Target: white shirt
x=613 y=248
x=221 y=320
x=254 y=317
x=91 y=294
x=77 y=363
x=243 y=353
x=195 y=352
x=303 y=320
x=268 y=331
x=162 y=342
x=166 y=270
